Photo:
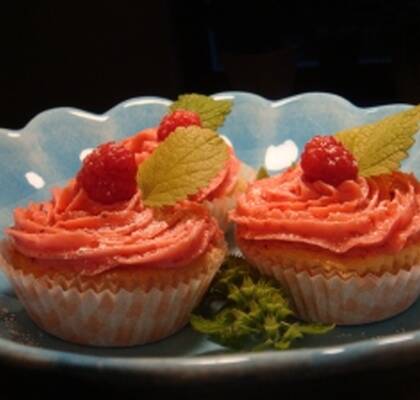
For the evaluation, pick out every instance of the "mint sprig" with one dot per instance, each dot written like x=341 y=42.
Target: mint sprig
x=245 y=311
x=262 y=173
x=212 y=112
x=380 y=147
x=181 y=165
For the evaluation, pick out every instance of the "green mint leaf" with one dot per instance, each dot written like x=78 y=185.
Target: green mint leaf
x=262 y=173
x=315 y=329
x=212 y=112
x=380 y=147
x=207 y=325
x=185 y=162
x=252 y=311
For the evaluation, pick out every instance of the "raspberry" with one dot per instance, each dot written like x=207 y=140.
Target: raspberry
x=108 y=174
x=177 y=118
x=326 y=159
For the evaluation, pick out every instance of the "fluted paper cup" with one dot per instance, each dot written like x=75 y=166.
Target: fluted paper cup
x=117 y=314
x=350 y=301
x=341 y=298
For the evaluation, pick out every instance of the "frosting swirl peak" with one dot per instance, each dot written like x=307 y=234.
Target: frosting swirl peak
x=73 y=231
x=373 y=212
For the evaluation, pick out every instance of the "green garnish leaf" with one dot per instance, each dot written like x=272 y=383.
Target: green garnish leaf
x=262 y=173
x=245 y=311
x=212 y=112
x=185 y=162
x=380 y=147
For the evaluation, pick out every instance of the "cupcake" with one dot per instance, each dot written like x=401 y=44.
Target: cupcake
x=97 y=265
x=344 y=243
x=220 y=195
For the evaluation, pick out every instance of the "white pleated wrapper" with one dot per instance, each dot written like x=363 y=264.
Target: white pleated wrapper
x=219 y=208
x=351 y=301
x=105 y=318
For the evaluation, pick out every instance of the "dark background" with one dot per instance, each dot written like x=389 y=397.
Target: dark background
x=92 y=57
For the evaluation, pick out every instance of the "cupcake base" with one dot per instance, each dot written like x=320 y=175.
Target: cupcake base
x=352 y=301
x=114 y=309
x=339 y=297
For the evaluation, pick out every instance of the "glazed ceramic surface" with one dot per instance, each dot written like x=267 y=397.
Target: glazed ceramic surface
x=47 y=152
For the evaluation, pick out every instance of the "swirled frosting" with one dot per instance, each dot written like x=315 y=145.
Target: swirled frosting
x=73 y=231
x=375 y=212
x=145 y=142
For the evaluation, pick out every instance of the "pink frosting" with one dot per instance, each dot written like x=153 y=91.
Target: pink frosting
x=145 y=142
x=374 y=212
x=75 y=232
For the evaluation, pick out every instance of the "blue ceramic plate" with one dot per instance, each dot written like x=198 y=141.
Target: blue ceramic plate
x=47 y=152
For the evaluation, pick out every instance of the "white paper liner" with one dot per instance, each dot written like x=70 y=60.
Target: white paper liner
x=219 y=208
x=351 y=301
x=247 y=173
x=124 y=318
